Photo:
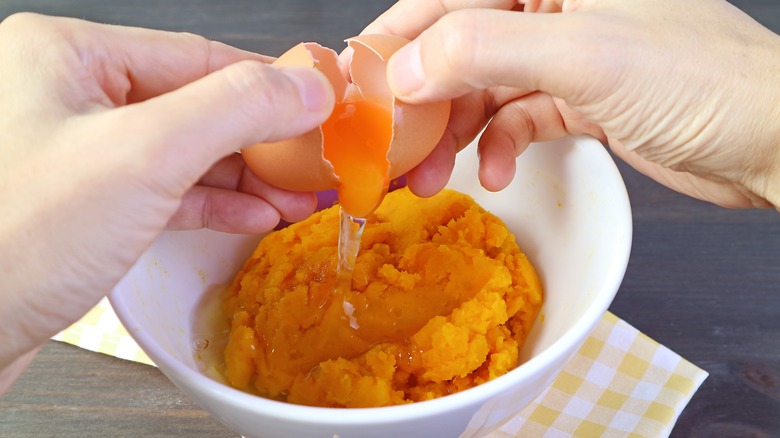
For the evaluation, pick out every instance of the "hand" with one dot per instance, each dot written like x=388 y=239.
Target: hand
x=109 y=135
x=686 y=92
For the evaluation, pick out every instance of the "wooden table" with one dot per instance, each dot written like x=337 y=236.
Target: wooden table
x=702 y=280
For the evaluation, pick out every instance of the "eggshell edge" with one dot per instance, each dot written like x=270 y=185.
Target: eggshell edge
x=425 y=124
x=265 y=160
x=413 y=125
x=425 y=127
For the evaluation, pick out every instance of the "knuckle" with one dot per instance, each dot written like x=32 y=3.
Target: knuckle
x=35 y=27
x=22 y=20
x=197 y=45
x=31 y=36
x=523 y=123
x=23 y=27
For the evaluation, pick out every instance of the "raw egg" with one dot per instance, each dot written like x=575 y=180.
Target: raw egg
x=369 y=138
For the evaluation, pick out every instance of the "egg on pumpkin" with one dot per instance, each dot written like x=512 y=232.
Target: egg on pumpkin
x=369 y=138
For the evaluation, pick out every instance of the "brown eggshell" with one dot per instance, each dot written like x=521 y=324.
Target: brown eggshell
x=298 y=164
x=416 y=128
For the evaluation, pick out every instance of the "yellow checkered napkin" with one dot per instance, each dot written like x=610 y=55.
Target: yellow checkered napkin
x=100 y=330
x=620 y=383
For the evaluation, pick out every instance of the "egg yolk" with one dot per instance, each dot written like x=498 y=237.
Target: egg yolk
x=356 y=140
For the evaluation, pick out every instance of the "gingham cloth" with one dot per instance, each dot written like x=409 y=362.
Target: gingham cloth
x=100 y=330
x=620 y=383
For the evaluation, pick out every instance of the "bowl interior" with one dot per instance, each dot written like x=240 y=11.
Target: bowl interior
x=567 y=207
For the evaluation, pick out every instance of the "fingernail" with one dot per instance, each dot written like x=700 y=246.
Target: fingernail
x=315 y=91
x=405 y=71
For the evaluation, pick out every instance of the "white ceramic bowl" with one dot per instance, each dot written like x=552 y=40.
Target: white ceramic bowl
x=569 y=210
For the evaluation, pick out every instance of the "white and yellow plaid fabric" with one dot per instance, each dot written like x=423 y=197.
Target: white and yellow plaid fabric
x=619 y=384
x=100 y=330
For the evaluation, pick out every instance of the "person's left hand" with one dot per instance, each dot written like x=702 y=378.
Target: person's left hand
x=108 y=135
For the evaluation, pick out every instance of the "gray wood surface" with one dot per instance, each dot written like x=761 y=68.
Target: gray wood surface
x=702 y=280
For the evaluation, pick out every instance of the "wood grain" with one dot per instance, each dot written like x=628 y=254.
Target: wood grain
x=702 y=280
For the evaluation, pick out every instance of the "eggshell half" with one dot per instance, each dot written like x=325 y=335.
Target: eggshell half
x=298 y=163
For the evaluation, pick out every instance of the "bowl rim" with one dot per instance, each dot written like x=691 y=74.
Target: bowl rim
x=563 y=347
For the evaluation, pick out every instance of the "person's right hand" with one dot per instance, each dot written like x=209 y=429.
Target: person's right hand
x=686 y=92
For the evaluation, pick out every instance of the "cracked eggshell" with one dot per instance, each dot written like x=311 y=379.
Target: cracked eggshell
x=298 y=163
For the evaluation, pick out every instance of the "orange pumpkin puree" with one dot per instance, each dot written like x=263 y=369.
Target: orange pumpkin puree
x=442 y=298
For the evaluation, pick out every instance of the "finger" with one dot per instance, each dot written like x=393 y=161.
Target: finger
x=178 y=59
x=534 y=117
x=468 y=116
x=154 y=61
x=184 y=132
x=231 y=173
x=430 y=176
x=134 y=64
x=530 y=118
x=408 y=18
x=225 y=174
x=223 y=210
x=497 y=155
x=477 y=49
x=292 y=206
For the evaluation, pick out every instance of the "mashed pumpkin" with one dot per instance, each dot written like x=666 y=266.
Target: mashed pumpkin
x=441 y=300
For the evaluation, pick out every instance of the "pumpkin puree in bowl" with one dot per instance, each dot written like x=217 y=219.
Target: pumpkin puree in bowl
x=442 y=299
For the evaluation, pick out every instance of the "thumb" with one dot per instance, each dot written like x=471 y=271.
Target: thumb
x=474 y=49
x=242 y=104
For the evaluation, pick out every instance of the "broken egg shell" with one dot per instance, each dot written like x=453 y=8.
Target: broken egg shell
x=298 y=164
